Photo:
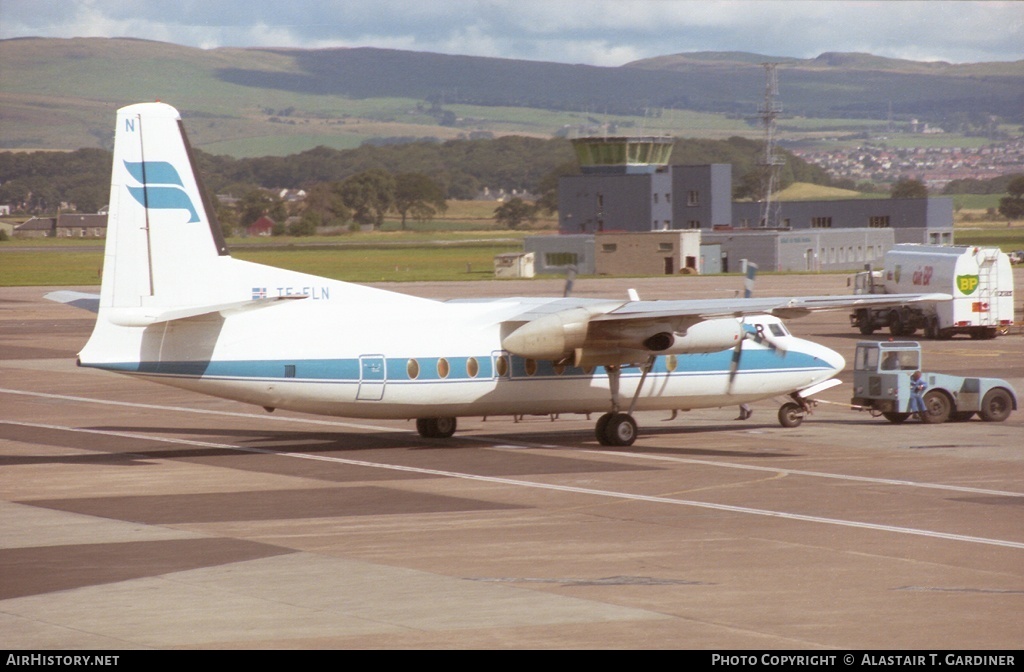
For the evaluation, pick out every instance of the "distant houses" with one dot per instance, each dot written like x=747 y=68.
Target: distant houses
x=64 y=226
x=264 y=226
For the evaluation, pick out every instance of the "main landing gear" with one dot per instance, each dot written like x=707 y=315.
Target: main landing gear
x=436 y=428
x=617 y=428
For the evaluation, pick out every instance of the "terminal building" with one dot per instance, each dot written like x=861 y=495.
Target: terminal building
x=628 y=190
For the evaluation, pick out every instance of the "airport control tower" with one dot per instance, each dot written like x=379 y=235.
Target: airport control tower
x=627 y=184
x=622 y=155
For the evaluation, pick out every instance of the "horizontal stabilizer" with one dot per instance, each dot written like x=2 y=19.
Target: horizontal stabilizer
x=83 y=300
x=144 y=317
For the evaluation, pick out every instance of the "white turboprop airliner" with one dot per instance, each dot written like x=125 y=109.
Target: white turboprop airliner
x=176 y=308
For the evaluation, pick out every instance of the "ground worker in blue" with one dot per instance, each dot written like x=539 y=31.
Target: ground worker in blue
x=917 y=388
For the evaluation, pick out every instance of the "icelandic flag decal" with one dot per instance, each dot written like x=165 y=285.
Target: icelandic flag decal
x=259 y=293
x=161 y=188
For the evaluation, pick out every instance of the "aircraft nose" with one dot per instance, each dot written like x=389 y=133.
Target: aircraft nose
x=833 y=359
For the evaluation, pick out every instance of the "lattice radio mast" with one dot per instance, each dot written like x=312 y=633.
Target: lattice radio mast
x=771 y=163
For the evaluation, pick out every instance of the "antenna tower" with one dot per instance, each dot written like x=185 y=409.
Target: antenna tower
x=771 y=163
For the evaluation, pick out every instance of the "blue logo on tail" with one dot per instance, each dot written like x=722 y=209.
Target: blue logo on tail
x=161 y=188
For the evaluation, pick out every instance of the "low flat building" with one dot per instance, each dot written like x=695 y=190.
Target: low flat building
x=82 y=226
x=37 y=227
x=912 y=220
x=650 y=253
x=559 y=254
x=793 y=250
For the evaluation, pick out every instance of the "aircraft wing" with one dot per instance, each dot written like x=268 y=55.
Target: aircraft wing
x=784 y=307
x=631 y=331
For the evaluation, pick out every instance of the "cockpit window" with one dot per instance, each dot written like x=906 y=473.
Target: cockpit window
x=777 y=329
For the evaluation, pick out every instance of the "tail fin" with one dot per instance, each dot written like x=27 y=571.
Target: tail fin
x=164 y=247
x=748 y=282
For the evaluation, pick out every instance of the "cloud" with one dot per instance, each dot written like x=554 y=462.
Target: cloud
x=597 y=32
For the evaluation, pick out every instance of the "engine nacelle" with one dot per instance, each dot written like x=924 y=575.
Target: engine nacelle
x=561 y=334
x=706 y=336
x=552 y=337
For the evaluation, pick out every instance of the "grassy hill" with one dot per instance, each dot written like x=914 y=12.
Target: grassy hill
x=62 y=94
x=804 y=191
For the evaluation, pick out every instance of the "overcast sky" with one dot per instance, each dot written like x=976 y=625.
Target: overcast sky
x=594 y=32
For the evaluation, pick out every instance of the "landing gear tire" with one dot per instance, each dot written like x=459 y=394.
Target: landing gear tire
x=937 y=408
x=616 y=429
x=791 y=415
x=600 y=429
x=896 y=418
x=436 y=428
x=996 y=406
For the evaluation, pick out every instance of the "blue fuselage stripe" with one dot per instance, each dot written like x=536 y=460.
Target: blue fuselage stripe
x=458 y=368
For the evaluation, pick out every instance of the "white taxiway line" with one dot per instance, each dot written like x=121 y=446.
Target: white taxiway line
x=518 y=445
x=543 y=486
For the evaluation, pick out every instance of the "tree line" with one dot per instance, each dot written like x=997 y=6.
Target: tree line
x=362 y=199
x=358 y=185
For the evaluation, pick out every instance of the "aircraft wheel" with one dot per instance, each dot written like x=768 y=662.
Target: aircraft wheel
x=436 y=428
x=896 y=418
x=791 y=415
x=616 y=429
x=937 y=408
x=601 y=429
x=996 y=406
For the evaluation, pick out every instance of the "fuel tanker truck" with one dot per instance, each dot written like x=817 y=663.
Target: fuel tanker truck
x=980 y=280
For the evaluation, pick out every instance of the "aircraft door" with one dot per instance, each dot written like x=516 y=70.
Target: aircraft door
x=501 y=365
x=372 y=378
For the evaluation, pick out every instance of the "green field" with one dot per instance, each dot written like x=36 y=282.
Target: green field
x=21 y=266
x=61 y=267
x=1006 y=239
x=976 y=201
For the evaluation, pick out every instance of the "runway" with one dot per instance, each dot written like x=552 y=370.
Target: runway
x=136 y=516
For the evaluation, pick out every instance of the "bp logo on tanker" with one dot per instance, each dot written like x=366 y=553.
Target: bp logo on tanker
x=967 y=284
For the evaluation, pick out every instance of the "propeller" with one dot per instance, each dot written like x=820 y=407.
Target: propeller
x=757 y=335
x=570 y=279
